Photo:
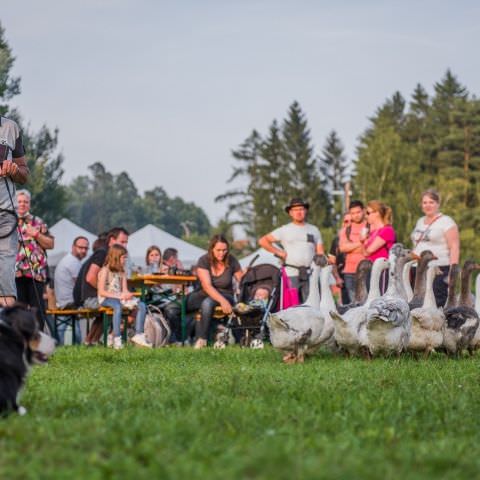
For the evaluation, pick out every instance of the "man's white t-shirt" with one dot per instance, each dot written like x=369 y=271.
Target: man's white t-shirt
x=65 y=275
x=432 y=237
x=300 y=242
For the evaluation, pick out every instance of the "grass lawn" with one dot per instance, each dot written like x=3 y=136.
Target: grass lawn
x=177 y=413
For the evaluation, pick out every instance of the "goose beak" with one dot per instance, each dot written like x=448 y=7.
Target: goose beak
x=414 y=256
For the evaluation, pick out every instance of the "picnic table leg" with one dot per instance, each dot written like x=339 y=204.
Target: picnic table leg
x=73 y=330
x=105 y=328
x=183 y=314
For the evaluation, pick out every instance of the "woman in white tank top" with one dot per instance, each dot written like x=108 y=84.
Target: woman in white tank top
x=439 y=233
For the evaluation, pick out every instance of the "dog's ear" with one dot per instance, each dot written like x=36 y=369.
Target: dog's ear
x=21 y=320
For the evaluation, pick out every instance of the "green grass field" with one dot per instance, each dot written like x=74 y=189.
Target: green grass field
x=178 y=413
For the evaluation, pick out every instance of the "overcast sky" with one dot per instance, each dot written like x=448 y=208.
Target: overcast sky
x=165 y=89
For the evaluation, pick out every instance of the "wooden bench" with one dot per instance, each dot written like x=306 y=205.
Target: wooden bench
x=71 y=316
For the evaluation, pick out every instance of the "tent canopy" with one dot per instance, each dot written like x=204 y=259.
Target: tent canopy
x=65 y=232
x=139 y=241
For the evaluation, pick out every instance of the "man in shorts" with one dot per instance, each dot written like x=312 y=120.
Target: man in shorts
x=13 y=170
x=300 y=242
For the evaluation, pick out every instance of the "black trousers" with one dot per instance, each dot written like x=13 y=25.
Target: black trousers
x=30 y=292
x=197 y=300
x=440 y=284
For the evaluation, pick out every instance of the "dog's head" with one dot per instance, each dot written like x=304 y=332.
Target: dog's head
x=38 y=346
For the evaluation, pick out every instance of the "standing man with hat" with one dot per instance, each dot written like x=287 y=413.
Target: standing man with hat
x=300 y=242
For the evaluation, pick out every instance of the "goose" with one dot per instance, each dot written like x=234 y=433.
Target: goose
x=475 y=343
x=406 y=279
x=461 y=320
x=349 y=326
x=361 y=292
x=388 y=317
x=428 y=321
x=298 y=330
x=420 y=279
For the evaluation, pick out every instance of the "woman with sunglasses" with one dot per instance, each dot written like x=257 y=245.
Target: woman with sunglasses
x=381 y=235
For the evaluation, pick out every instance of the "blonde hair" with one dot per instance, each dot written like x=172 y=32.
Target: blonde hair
x=113 y=262
x=384 y=210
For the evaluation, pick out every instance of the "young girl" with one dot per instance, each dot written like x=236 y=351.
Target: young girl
x=113 y=292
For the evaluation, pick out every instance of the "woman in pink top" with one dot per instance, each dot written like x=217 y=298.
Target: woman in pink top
x=381 y=235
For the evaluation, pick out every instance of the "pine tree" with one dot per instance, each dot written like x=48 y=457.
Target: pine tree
x=241 y=199
x=9 y=86
x=300 y=164
x=335 y=171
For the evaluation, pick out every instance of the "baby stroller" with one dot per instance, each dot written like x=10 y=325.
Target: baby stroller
x=248 y=321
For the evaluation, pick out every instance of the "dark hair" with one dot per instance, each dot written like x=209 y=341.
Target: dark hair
x=80 y=237
x=356 y=203
x=169 y=253
x=219 y=238
x=115 y=232
x=432 y=194
x=152 y=249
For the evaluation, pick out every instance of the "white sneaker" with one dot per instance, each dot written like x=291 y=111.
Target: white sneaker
x=110 y=340
x=140 y=340
x=117 y=343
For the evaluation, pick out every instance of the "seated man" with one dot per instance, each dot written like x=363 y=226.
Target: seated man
x=66 y=274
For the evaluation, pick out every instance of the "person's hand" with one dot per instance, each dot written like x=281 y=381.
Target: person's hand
x=126 y=296
x=32 y=231
x=8 y=168
x=282 y=254
x=226 y=307
x=339 y=282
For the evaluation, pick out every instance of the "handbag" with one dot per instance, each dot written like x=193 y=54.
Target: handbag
x=289 y=294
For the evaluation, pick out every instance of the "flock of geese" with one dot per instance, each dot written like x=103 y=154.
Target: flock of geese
x=400 y=320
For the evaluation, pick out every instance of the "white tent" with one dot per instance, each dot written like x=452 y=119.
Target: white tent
x=263 y=257
x=139 y=241
x=64 y=232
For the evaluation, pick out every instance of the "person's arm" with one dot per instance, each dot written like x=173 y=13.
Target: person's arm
x=17 y=170
x=345 y=246
x=267 y=242
x=92 y=275
x=211 y=291
x=126 y=293
x=41 y=236
x=377 y=243
x=319 y=249
x=453 y=241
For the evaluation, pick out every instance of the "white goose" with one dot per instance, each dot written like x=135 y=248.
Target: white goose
x=462 y=320
x=428 y=321
x=419 y=288
x=298 y=330
x=388 y=317
x=406 y=279
x=350 y=326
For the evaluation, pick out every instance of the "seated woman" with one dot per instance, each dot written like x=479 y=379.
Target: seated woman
x=153 y=259
x=113 y=292
x=216 y=271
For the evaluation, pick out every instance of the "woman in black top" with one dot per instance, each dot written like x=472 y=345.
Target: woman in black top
x=216 y=271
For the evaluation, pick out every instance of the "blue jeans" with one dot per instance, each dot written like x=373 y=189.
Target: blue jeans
x=349 y=284
x=117 y=315
x=62 y=326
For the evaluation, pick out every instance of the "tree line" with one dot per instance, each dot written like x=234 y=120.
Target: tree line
x=98 y=200
x=408 y=146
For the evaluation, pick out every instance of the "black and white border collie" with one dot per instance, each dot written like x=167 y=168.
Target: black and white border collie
x=21 y=345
